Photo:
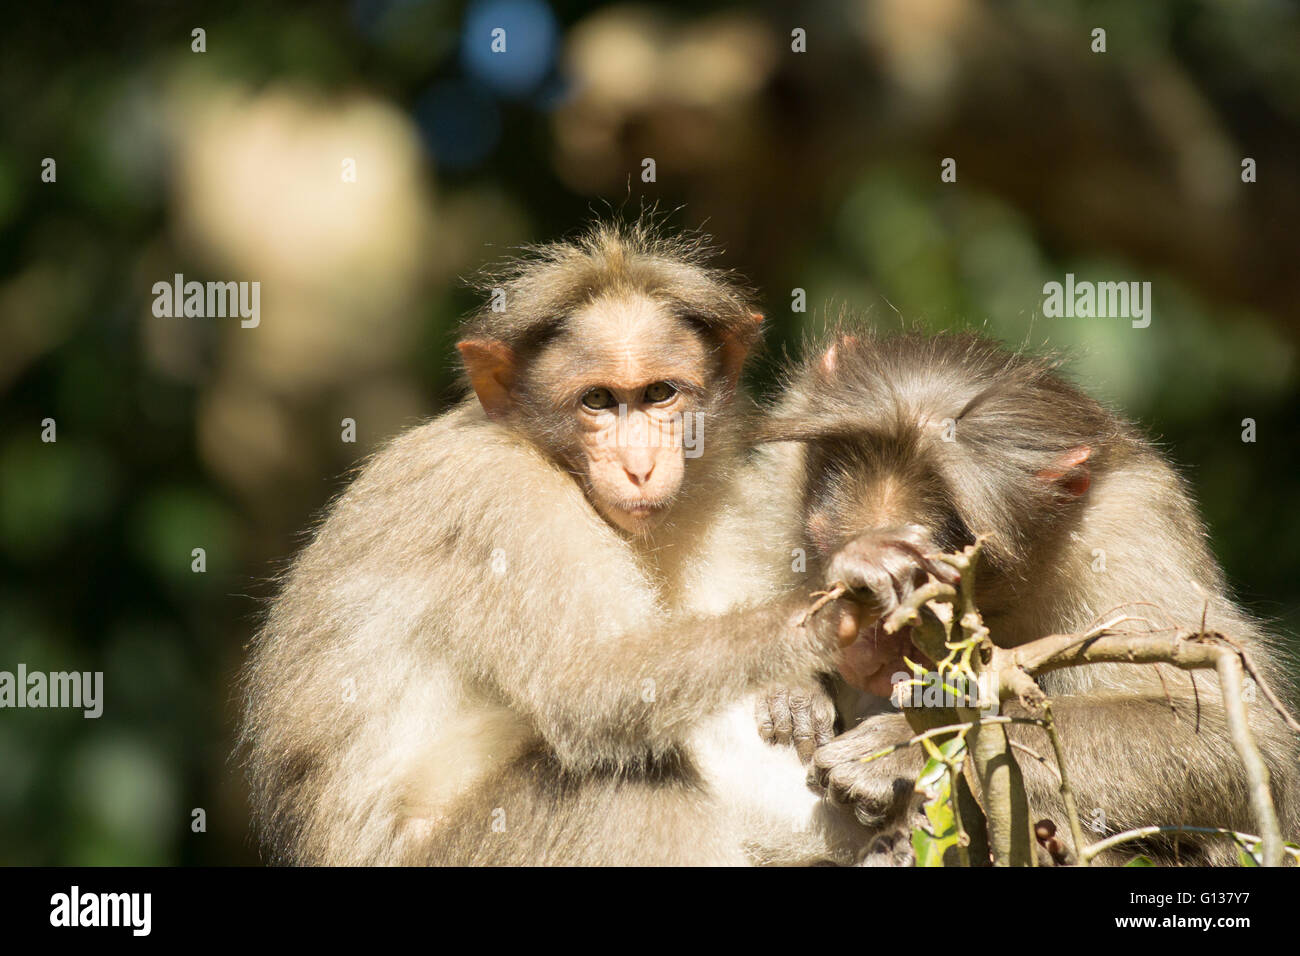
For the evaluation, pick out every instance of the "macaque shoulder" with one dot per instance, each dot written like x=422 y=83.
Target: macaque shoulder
x=452 y=484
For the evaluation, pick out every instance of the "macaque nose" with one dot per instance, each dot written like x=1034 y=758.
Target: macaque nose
x=638 y=467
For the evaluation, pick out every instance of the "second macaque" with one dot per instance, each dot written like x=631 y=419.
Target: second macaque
x=913 y=445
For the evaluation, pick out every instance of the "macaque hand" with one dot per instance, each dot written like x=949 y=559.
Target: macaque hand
x=803 y=715
x=893 y=846
x=881 y=569
x=879 y=792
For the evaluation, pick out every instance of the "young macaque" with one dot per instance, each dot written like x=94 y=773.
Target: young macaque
x=913 y=445
x=536 y=629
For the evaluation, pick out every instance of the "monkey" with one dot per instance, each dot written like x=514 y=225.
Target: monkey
x=911 y=445
x=536 y=629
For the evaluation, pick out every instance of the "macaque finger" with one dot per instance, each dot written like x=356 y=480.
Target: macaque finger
x=763 y=716
x=782 y=720
x=823 y=719
x=803 y=731
x=803 y=716
x=943 y=571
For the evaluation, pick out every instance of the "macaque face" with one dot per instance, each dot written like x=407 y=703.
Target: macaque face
x=868 y=487
x=878 y=506
x=631 y=386
x=618 y=395
x=631 y=449
x=873 y=513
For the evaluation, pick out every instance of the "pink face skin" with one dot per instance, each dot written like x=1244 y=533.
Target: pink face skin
x=621 y=382
x=638 y=374
x=872 y=658
x=632 y=442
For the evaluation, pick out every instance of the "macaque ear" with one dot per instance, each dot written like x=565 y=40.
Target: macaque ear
x=1070 y=472
x=735 y=349
x=831 y=357
x=491 y=366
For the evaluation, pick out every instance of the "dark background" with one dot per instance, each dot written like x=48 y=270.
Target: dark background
x=815 y=170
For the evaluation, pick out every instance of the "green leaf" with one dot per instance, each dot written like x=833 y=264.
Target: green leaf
x=952 y=750
x=933 y=841
x=1140 y=861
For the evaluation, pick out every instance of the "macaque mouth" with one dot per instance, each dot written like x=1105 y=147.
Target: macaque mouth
x=637 y=516
x=643 y=507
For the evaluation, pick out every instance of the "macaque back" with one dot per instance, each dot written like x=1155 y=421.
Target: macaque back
x=915 y=444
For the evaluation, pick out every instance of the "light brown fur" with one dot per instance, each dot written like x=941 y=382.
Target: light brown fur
x=868 y=413
x=533 y=685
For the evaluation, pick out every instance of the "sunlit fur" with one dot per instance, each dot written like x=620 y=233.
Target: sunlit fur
x=868 y=413
x=469 y=664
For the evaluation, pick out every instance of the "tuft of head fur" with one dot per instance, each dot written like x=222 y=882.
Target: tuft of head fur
x=551 y=281
x=1011 y=416
x=972 y=377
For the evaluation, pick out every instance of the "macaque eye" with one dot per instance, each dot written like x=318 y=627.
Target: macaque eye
x=659 y=392
x=598 y=398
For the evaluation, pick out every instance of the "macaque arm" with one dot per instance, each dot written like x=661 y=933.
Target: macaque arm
x=501 y=567
x=637 y=693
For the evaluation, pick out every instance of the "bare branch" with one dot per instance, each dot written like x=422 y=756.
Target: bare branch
x=1141 y=833
x=835 y=591
x=1067 y=792
x=950 y=729
x=1261 y=798
x=1015 y=670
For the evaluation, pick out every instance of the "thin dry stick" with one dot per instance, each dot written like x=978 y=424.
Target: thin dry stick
x=835 y=591
x=1189 y=651
x=1037 y=756
x=1261 y=799
x=1262 y=684
x=1141 y=833
x=1067 y=792
x=949 y=729
x=1164 y=686
x=1196 y=696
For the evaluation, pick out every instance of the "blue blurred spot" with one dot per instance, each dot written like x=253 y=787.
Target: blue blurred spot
x=460 y=122
x=529 y=39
